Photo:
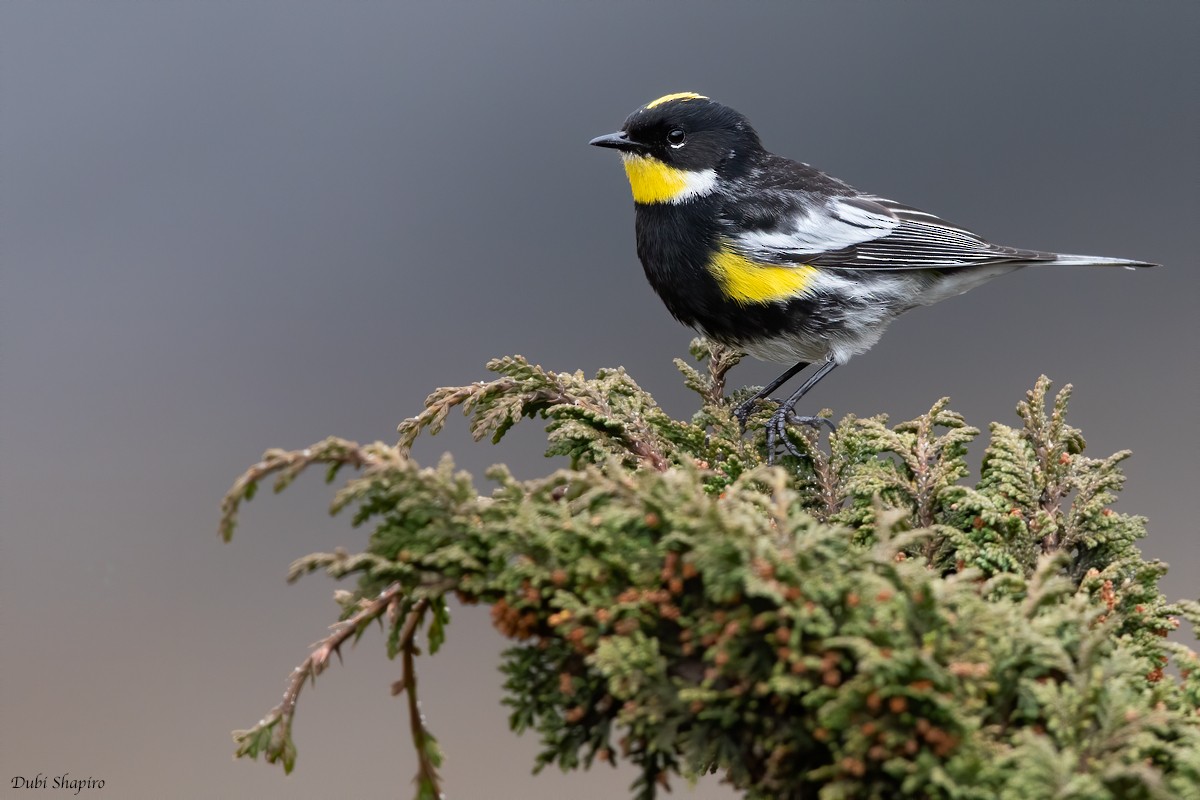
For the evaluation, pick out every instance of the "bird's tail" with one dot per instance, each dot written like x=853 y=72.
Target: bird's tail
x=1069 y=260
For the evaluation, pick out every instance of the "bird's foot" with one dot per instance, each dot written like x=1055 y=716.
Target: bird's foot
x=777 y=430
x=743 y=411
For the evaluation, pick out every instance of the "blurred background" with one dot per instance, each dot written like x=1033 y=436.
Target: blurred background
x=229 y=226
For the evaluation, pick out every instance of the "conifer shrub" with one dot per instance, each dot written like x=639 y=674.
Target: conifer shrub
x=855 y=622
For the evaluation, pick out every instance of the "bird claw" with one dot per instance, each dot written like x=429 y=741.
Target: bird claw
x=743 y=411
x=812 y=422
x=777 y=430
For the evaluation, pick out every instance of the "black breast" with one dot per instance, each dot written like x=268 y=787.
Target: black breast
x=675 y=244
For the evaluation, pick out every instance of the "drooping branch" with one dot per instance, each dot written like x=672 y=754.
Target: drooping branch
x=273 y=733
x=288 y=464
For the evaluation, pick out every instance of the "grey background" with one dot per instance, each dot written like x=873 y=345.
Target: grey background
x=229 y=226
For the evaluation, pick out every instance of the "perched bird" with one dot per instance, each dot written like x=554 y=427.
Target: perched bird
x=780 y=260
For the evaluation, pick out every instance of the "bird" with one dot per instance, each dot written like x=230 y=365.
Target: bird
x=780 y=260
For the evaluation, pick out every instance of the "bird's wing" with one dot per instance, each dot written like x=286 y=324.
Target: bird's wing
x=853 y=231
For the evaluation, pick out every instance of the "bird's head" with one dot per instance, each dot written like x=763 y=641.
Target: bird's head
x=678 y=146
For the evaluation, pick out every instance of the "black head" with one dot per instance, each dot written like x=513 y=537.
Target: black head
x=686 y=131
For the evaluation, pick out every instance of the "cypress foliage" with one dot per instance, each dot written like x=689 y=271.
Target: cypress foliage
x=853 y=623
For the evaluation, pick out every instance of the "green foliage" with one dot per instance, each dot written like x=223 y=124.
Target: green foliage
x=853 y=623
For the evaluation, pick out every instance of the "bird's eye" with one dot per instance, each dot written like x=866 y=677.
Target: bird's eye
x=676 y=138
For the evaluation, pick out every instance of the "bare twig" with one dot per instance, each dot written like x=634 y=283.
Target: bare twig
x=272 y=734
x=427 y=774
x=828 y=480
x=643 y=449
x=721 y=360
x=318 y=660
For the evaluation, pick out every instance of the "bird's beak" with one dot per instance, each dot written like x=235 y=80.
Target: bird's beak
x=617 y=141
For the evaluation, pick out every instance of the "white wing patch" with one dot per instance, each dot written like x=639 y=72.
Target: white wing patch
x=837 y=225
x=867 y=232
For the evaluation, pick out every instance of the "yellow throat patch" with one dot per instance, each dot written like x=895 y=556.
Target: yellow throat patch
x=652 y=181
x=747 y=282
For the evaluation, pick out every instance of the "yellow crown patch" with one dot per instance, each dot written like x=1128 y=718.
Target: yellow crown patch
x=667 y=98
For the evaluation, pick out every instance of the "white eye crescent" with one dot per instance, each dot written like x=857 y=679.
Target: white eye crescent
x=676 y=138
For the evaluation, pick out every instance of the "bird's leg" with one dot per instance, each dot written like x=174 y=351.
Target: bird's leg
x=743 y=411
x=777 y=426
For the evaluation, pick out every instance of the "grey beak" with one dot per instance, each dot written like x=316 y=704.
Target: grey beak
x=617 y=141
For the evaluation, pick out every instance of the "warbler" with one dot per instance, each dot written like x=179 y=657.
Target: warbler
x=779 y=260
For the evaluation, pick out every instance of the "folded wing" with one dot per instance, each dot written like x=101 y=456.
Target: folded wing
x=862 y=232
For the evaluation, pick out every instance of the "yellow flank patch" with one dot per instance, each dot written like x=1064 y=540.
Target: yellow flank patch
x=653 y=181
x=666 y=98
x=747 y=282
